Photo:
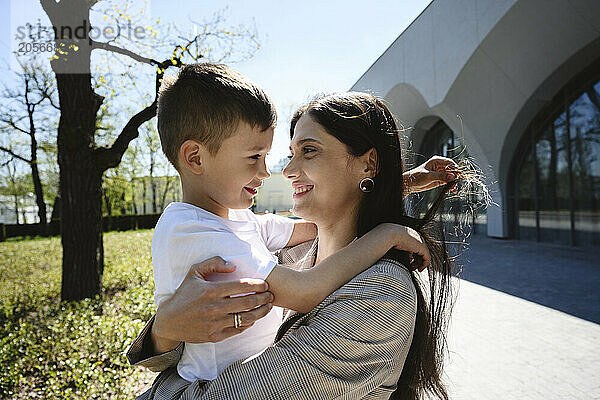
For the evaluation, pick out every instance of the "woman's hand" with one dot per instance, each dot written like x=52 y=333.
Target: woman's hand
x=409 y=240
x=201 y=311
x=434 y=172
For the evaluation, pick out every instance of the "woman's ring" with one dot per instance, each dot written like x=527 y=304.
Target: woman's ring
x=237 y=320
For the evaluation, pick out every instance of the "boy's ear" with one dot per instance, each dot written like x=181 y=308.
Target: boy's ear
x=192 y=155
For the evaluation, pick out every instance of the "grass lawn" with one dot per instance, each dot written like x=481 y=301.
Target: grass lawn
x=54 y=350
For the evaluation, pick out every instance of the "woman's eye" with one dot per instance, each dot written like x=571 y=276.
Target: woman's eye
x=255 y=157
x=304 y=150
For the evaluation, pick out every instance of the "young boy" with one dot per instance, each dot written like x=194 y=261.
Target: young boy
x=216 y=128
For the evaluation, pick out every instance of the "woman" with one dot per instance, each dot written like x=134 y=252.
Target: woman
x=376 y=337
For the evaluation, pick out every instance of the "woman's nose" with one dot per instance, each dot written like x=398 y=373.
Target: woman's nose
x=290 y=171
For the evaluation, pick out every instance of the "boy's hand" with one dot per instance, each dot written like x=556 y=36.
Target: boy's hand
x=201 y=311
x=409 y=240
x=434 y=172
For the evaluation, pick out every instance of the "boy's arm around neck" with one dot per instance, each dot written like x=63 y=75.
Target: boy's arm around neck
x=303 y=290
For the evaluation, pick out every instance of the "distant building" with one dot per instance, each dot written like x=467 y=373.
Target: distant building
x=275 y=194
x=28 y=212
x=518 y=82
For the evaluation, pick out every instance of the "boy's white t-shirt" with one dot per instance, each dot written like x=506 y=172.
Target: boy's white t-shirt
x=185 y=235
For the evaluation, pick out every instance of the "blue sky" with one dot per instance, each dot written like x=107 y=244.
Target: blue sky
x=307 y=47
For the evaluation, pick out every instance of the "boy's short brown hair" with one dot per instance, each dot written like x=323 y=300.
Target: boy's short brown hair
x=206 y=102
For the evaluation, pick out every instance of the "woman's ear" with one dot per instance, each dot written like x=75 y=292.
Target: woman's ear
x=191 y=156
x=371 y=162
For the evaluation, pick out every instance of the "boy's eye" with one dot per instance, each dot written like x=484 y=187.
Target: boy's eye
x=258 y=156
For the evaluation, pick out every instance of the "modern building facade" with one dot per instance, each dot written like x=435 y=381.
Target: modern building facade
x=516 y=83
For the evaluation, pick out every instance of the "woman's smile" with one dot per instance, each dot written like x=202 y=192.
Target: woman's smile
x=301 y=190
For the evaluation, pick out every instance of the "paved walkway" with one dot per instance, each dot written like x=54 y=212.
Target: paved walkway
x=526 y=324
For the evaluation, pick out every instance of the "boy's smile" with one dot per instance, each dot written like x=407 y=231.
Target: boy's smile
x=231 y=177
x=252 y=191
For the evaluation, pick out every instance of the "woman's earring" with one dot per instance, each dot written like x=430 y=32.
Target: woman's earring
x=367 y=185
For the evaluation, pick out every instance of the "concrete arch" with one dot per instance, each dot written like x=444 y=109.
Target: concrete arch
x=420 y=130
x=406 y=103
x=410 y=107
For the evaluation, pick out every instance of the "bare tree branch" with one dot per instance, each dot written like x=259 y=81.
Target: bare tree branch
x=13 y=125
x=129 y=53
x=110 y=157
x=14 y=155
x=4 y=164
x=56 y=106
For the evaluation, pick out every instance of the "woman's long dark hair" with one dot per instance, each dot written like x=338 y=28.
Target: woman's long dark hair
x=363 y=122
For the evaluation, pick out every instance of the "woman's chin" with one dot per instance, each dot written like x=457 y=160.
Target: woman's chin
x=299 y=211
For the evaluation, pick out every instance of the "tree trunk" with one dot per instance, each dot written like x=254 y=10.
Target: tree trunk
x=13 y=181
x=39 y=194
x=17 y=208
x=56 y=209
x=81 y=163
x=144 y=195
x=152 y=181
x=37 y=184
x=35 y=175
x=81 y=227
x=80 y=188
x=123 y=210
x=133 y=197
x=107 y=203
x=163 y=199
x=80 y=177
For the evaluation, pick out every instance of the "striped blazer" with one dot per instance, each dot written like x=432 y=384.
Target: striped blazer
x=351 y=346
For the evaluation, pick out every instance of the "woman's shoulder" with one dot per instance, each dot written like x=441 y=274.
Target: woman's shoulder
x=298 y=256
x=382 y=299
